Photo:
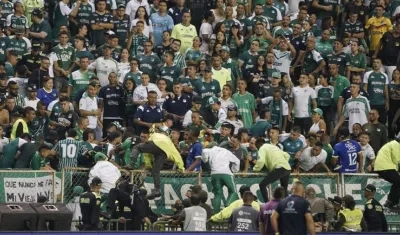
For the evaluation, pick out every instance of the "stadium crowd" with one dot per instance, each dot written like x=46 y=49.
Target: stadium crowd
x=200 y=85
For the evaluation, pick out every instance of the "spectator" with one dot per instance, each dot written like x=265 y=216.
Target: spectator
x=21 y=125
x=148 y=114
x=162 y=22
x=37 y=76
x=347 y=155
x=312 y=158
x=321 y=209
x=11 y=151
x=47 y=94
x=367 y=152
x=104 y=65
x=378 y=131
x=267 y=209
x=31 y=100
x=262 y=125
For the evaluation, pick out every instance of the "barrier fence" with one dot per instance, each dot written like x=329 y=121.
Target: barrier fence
x=26 y=186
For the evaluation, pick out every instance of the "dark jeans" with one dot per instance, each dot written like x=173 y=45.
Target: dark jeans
x=159 y=157
x=382 y=113
x=304 y=123
x=328 y=117
x=393 y=177
x=280 y=174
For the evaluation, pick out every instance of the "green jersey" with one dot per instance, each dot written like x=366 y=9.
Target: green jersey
x=324 y=47
x=65 y=56
x=19 y=46
x=84 y=53
x=339 y=84
x=14 y=21
x=37 y=162
x=339 y=59
x=264 y=44
x=9 y=151
x=282 y=6
x=7 y=8
x=79 y=80
x=121 y=28
x=135 y=76
x=9 y=70
x=137 y=46
x=84 y=13
x=43 y=26
x=59 y=18
x=79 y=137
x=248 y=60
x=67 y=150
x=262 y=19
x=149 y=64
x=206 y=89
x=357 y=61
x=311 y=61
x=170 y=74
x=236 y=73
x=259 y=128
x=322 y=13
x=377 y=82
x=246 y=106
x=82 y=160
x=324 y=95
x=273 y=14
x=4 y=44
x=37 y=127
x=246 y=27
x=228 y=25
x=194 y=55
x=279 y=30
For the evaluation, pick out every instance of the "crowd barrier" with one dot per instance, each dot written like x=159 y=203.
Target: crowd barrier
x=26 y=186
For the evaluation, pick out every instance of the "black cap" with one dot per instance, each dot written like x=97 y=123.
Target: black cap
x=208 y=69
x=335 y=200
x=370 y=188
x=228 y=125
x=32 y=88
x=96 y=181
x=36 y=45
x=232 y=107
x=197 y=100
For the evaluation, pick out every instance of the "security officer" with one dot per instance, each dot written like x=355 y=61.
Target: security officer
x=90 y=203
x=130 y=196
x=337 y=205
x=33 y=59
x=373 y=211
x=350 y=218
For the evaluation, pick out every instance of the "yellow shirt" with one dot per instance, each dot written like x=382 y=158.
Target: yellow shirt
x=272 y=157
x=377 y=27
x=186 y=34
x=227 y=211
x=223 y=76
x=388 y=157
x=165 y=143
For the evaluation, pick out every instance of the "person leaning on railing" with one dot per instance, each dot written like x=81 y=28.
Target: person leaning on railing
x=227 y=211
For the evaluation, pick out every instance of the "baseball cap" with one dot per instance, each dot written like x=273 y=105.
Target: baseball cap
x=370 y=188
x=276 y=75
x=208 y=69
x=19 y=31
x=319 y=111
x=227 y=125
x=197 y=100
x=96 y=181
x=121 y=6
x=212 y=100
x=232 y=107
x=110 y=32
x=225 y=48
x=32 y=88
x=335 y=200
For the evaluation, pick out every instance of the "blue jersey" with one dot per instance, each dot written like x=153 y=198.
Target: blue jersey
x=195 y=151
x=347 y=154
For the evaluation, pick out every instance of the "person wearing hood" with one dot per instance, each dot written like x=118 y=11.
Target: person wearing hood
x=222 y=163
x=226 y=213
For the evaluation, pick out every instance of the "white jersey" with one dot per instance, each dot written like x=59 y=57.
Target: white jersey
x=123 y=69
x=282 y=60
x=356 y=109
x=222 y=161
x=103 y=68
x=303 y=97
x=307 y=161
x=368 y=153
x=107 y=172
x=140 y=92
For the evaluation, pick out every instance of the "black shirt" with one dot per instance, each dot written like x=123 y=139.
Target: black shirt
x=374 y=216
x=389 y=54
x=113 y=101
x=37 y=77
x=299 y=43
x=292 y=211
x=346 y=93
x=361 y=11
x=31 y=61
x=98 y=37
x=27 y=151
x=160 y=49
x=90 y=208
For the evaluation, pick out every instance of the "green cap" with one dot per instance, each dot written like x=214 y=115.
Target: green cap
x=225 y=48
x=319 y=111
x=212 y=100
x=276 y=75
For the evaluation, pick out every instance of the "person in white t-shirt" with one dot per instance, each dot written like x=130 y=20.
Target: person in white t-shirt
x=302 y=101
x=206 y=30
x=367 y=152
x=140 y=92
x=283 y=56
x=312 y=157
x=88 y=106
x=31 y=100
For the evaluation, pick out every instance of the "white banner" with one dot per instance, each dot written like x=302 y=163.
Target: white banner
x=29 y=189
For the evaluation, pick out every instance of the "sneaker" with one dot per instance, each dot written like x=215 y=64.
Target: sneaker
x=337 y=167
x=154 y=194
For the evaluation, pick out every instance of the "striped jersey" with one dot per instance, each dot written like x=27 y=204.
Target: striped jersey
x=67 y=150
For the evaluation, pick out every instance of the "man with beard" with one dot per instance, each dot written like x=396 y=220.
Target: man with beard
x=13 y=90
x=4 y=115
x=20 y=126
x=12 y=108
x=65 y=120
x=3 y=85
x=38 y=126
x=38 y=74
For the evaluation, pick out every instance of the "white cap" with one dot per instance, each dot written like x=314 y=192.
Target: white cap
x=110 y=32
